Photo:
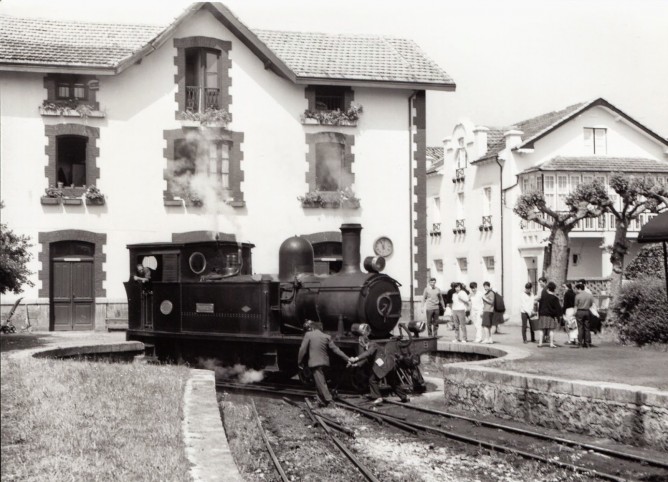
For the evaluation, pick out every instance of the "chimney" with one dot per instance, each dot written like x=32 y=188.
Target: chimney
x=350 y=238
x=480 y=134
x=513 y=138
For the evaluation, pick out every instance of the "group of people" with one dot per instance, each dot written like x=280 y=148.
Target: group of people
x=458 y=305
x=544 y=313
x=316 y=347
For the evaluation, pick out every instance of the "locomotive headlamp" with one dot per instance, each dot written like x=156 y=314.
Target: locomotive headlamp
x=416 y=327
x=374 y=264
x=166 y=307
x=361 y=329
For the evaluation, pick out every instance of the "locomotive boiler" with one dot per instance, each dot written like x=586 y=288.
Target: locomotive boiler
x=204 y=301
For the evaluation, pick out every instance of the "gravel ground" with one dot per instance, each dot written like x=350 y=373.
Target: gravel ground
x=392 y=455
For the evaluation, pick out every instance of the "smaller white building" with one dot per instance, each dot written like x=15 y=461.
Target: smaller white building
x=472 y=189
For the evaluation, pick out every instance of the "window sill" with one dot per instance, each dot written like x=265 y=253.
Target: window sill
x=50 y=201
x=173 y=202
x=331 y=205
x=69 y=113
x=197 y=124
x=237 y=204
x=340 y=123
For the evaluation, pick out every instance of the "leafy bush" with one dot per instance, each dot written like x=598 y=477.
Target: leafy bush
x=648 y=262
x=640 y=312
x=94 y=194
x=335 y=117
x=52 y=191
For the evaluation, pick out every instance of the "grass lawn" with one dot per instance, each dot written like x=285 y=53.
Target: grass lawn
x=607 y=362
x=76 y=420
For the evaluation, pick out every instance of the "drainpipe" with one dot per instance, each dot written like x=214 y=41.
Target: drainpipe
x=410 y=200
x=501 y=214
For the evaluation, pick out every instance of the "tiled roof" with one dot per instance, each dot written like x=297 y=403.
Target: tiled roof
x=529 y=127
x=57 y=43
x=303 y=56
x=435 y=152
x=601 y=164
x=434 y=159
x=354 y=57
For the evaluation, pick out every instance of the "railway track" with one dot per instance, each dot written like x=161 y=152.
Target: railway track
x=601 y=462
x=327 y=425
x=572 y=455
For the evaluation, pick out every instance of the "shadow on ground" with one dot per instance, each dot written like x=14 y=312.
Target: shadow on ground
x=21 y=341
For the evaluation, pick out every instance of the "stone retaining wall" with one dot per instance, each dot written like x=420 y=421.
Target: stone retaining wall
x=625 y=413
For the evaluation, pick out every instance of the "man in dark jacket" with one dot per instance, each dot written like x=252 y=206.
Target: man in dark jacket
x=382 y=367
x=317 y=345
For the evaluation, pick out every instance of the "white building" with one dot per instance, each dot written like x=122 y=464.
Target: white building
x=113 y=106
x=471 y=192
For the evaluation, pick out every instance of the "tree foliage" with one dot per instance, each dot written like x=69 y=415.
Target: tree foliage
x=14 y=257
x=587 y=200
x=637 y=195
x=648 y=262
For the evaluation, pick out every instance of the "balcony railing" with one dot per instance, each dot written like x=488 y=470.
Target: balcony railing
x=460 y=227
x=486 y=223
x=199 y=99
x=435 y=229
x=605 y=222
x=459 y=176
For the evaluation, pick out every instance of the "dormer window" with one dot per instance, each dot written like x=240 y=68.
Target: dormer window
x=202 y=79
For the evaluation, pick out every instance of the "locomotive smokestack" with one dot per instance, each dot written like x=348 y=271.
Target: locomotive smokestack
x=350 y=238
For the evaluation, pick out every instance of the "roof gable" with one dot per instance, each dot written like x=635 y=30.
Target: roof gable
x=303 y=58
x=538 y=127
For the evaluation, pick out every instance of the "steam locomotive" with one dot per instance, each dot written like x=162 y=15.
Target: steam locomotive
x=204 y=300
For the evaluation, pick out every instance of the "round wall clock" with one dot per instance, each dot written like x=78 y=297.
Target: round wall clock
x=383 y=246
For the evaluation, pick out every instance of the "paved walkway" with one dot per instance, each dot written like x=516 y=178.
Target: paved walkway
x=606 y=362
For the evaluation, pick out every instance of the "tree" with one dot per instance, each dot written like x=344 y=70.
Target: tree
x=648 y=263
x=637 y=195
x=14 y=257
x=586 y=201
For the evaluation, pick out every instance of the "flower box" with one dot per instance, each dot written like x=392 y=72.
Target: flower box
x=310 y=121
x=72 y=201
x=50 y=200
x=173 y=202
x=237 y=204
x=95 y=202
x=190 y=123
x=66 y=112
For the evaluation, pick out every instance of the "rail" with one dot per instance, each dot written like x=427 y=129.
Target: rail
x=272 y=454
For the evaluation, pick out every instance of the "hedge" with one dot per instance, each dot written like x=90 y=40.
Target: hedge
x=640 y=312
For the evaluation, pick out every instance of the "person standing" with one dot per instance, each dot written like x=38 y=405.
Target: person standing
x=460 y=304
x=542 y=290
x=383 y=366
x=549 y=312
x=317 y=345
x=527 y=312
x=487 y=312
x=570 y=323
x=432 y=301
x=448 y=304
x=476 y=310
x=583 y=304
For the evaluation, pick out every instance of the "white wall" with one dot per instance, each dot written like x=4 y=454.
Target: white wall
x=140 y=104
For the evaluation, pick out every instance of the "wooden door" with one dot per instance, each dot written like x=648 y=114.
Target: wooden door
x=73 y=301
